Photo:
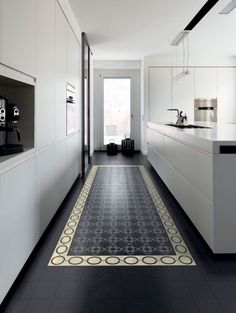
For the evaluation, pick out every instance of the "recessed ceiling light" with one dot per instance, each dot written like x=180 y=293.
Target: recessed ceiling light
x=229 y=7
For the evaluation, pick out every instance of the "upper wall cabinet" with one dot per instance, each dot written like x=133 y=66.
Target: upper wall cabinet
x=19 y=35
x=226 y=94
x=183 y=93
x=73 y=57
x=46 y=85
x=159 y=94
x=205 y=83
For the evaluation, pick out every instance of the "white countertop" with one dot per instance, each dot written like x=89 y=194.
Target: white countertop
x=207 y=139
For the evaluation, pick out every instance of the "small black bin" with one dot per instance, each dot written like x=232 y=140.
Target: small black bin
x=127 y=146
x=112 y=148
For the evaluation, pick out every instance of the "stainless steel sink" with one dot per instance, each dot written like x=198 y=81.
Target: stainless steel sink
x=188 y=126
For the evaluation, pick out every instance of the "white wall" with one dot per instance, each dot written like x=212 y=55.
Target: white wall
x=33 y=185
x=184 y=91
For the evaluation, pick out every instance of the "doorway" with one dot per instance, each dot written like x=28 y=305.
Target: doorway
x=117 y=107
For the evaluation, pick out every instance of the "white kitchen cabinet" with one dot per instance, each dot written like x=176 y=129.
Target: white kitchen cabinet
x=226 y=94
x=73 y=57
x=46 y=86
x=159 y=94
x=19 y=35
x=0 y=31
x=205 y=83
x=61 y=72
x=19 y=220
x=183 y=93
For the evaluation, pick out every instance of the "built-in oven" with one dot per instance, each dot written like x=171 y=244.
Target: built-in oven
x=205 y=110
x=70 y=109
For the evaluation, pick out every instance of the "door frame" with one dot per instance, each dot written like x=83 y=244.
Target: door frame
x=135 y=102
x=85 y=44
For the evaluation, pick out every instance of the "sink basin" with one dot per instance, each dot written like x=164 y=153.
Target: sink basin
x=188 y=126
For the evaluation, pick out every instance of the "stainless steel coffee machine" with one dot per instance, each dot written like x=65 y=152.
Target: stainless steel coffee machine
x=9 y=117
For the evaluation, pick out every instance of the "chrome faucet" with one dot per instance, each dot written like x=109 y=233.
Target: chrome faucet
x=181 y=119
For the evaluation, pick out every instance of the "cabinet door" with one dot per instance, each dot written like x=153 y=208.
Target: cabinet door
x=61 y=55
x=73 y=53
x=19 y=35
x=226 y=94
x=159 y=94
x=205 y=83
x=183 y=93
x=45 y=91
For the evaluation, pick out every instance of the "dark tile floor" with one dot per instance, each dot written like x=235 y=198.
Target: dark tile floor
x=209 y=287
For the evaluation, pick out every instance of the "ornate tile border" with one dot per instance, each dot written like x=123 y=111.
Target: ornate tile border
x=61 y=258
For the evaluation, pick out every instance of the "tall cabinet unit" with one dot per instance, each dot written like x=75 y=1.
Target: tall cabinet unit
x=205 y=83
x=183 y=93
x=45 y=89
x=19 y=35
x=159 y=94
x=38 y=45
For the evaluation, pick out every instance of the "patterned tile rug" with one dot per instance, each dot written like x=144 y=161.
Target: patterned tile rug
x=119 y=219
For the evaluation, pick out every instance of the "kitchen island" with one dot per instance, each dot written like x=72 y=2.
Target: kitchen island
x=199 y=168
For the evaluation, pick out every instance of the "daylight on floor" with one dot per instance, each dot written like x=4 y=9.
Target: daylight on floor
x=118 y=156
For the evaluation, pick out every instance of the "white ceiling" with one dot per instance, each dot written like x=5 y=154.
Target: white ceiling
x=132 y=29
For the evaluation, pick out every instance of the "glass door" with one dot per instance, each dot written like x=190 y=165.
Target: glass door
x=116 y=110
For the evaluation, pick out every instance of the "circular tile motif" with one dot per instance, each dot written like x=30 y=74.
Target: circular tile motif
x=167 y=260
x=61 y=249
x=165 y=217
x=149 y=260
x=112 y=260
x=130 y=260
x=181 y=249
x=94 y=260
x=176 y=239
x=172 y=231
x=58 y=260
x=69 y=231
x=75 y=260
x=185 y=259
x=71 y=224
x=168 y=224
x=74 y=217
x=65 y=239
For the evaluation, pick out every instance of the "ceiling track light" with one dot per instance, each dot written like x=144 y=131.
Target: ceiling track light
x=197 y=18
x=229 y=7
x=180 y=37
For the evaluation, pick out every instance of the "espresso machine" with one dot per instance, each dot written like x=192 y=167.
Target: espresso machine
x=9 y=117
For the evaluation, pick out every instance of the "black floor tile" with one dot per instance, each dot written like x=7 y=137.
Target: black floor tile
x=184 y=306
x=222 y=289
x=136 y=305
x=16 y=306
x=38 y=306
x=69 y=290
x=157 y=289
x=178 y=290
x=25 y=290
x=228 y=305
x=200 y=289
x=160 y=306
x=45 y=290
x=192 y=274
x=209 y=287
x=52 y=274
x=208 y=306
